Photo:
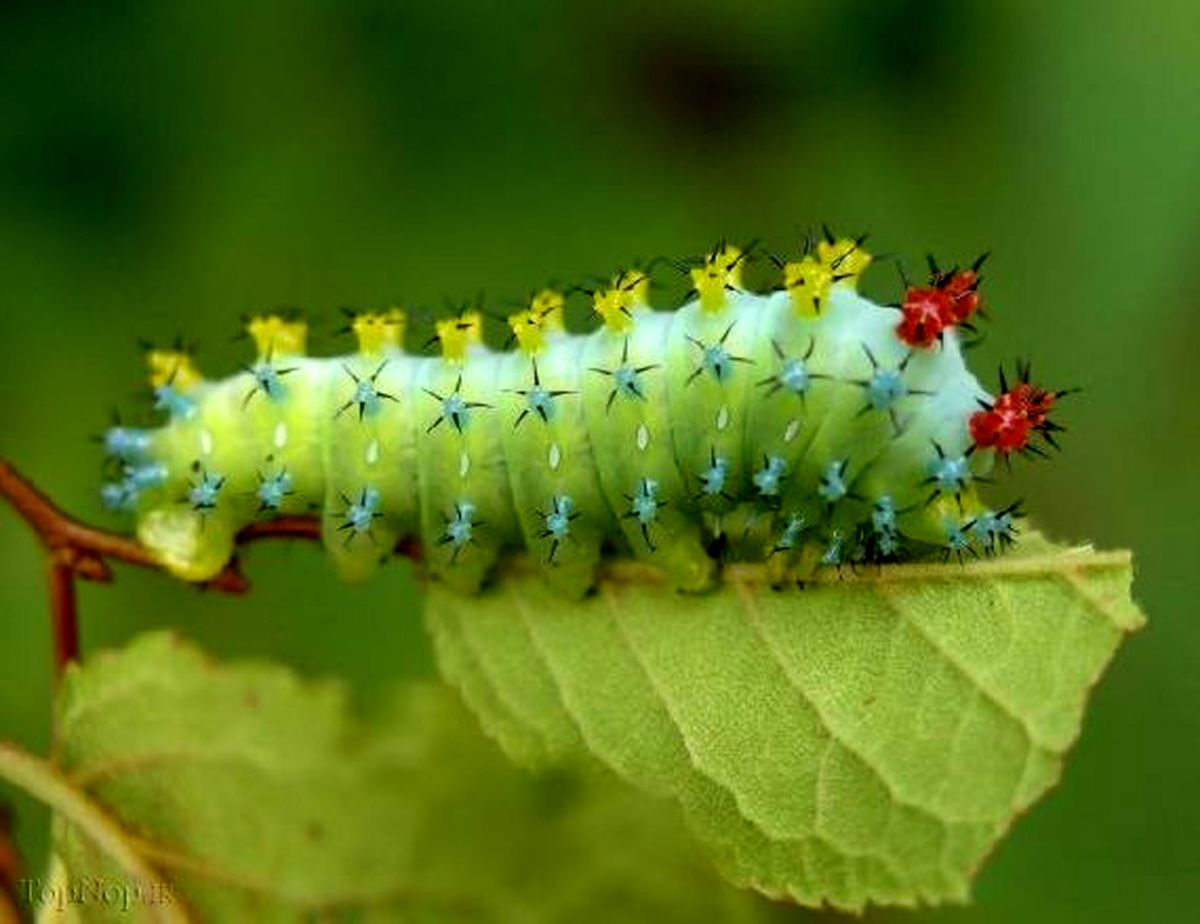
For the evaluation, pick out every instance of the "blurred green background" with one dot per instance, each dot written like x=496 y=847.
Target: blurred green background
x=165 y=168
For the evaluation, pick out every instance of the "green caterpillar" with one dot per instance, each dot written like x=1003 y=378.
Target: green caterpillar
x=806 y=426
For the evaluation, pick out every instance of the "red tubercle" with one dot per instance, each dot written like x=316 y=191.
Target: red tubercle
x=1003 y=428
x=952 y=297
x=925 y=313
x=1034 y=402
x=962 y=288
x=1008 y=424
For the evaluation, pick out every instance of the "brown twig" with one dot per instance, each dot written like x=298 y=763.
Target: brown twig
x=63 y=609
x=76 y=550
x=10 y=869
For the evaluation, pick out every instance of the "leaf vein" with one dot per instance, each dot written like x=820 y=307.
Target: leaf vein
x=894 y=604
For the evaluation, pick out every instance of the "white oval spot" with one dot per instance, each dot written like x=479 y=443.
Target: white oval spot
x=464 y=465
x=372 y=452
x=723 y=417
x=206 y=442
x=555 y=458
x=793 y=428
x=281 y=435
x=643 y=437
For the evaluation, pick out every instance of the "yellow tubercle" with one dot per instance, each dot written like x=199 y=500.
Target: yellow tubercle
x=845 y=258
x=379 y=331
x=544 y=315
x=720 y=272
x=548 y=306
x=635 y=286
x=613 y=307
x=527 y=328
x=174 y=368
x=630 y=290
x=275 y=335
x=459 y=334
x=808 y=282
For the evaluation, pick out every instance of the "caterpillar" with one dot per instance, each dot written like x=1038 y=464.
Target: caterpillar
x=805 y=427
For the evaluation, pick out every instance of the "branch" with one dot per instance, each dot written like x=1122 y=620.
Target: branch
x=76 y=550
x=10 y=867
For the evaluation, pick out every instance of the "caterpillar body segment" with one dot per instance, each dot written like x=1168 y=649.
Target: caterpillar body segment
x=807 y=426
x=370 y=451
x=628 y=417
x=548 y=453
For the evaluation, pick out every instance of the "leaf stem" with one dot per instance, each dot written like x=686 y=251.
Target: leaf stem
x=43 y=781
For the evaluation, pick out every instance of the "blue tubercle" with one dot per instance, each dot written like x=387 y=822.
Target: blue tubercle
x=628 y=382
x=792 y=532
x=884 y=526
x=124 y=494
x=457 y=411
x=460 y=528
x=834 y=551
x=268 y=380
x=541 y=402
x=558 y=520
x=272 y=490
x=794 y=376
x=833 y=485
x=178 y=405
x=557 y=523
x=717 y=361
x=127 y=444
x=645 y=503
x=768 y=478
x=883 y=515
x=995 y=530
x=957 y=539
x=361 y=514
x=950 y=474
x=204 y=494
x=644 y=506
x=885 y=388
x=367 y=398
x=151 y=475
x=713 y=478
x=119 y=495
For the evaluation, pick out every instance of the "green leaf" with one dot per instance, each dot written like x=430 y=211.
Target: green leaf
x=866 y=740
x=257 y=796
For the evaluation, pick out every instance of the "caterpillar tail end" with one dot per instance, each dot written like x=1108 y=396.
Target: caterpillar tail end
x=189 y=545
